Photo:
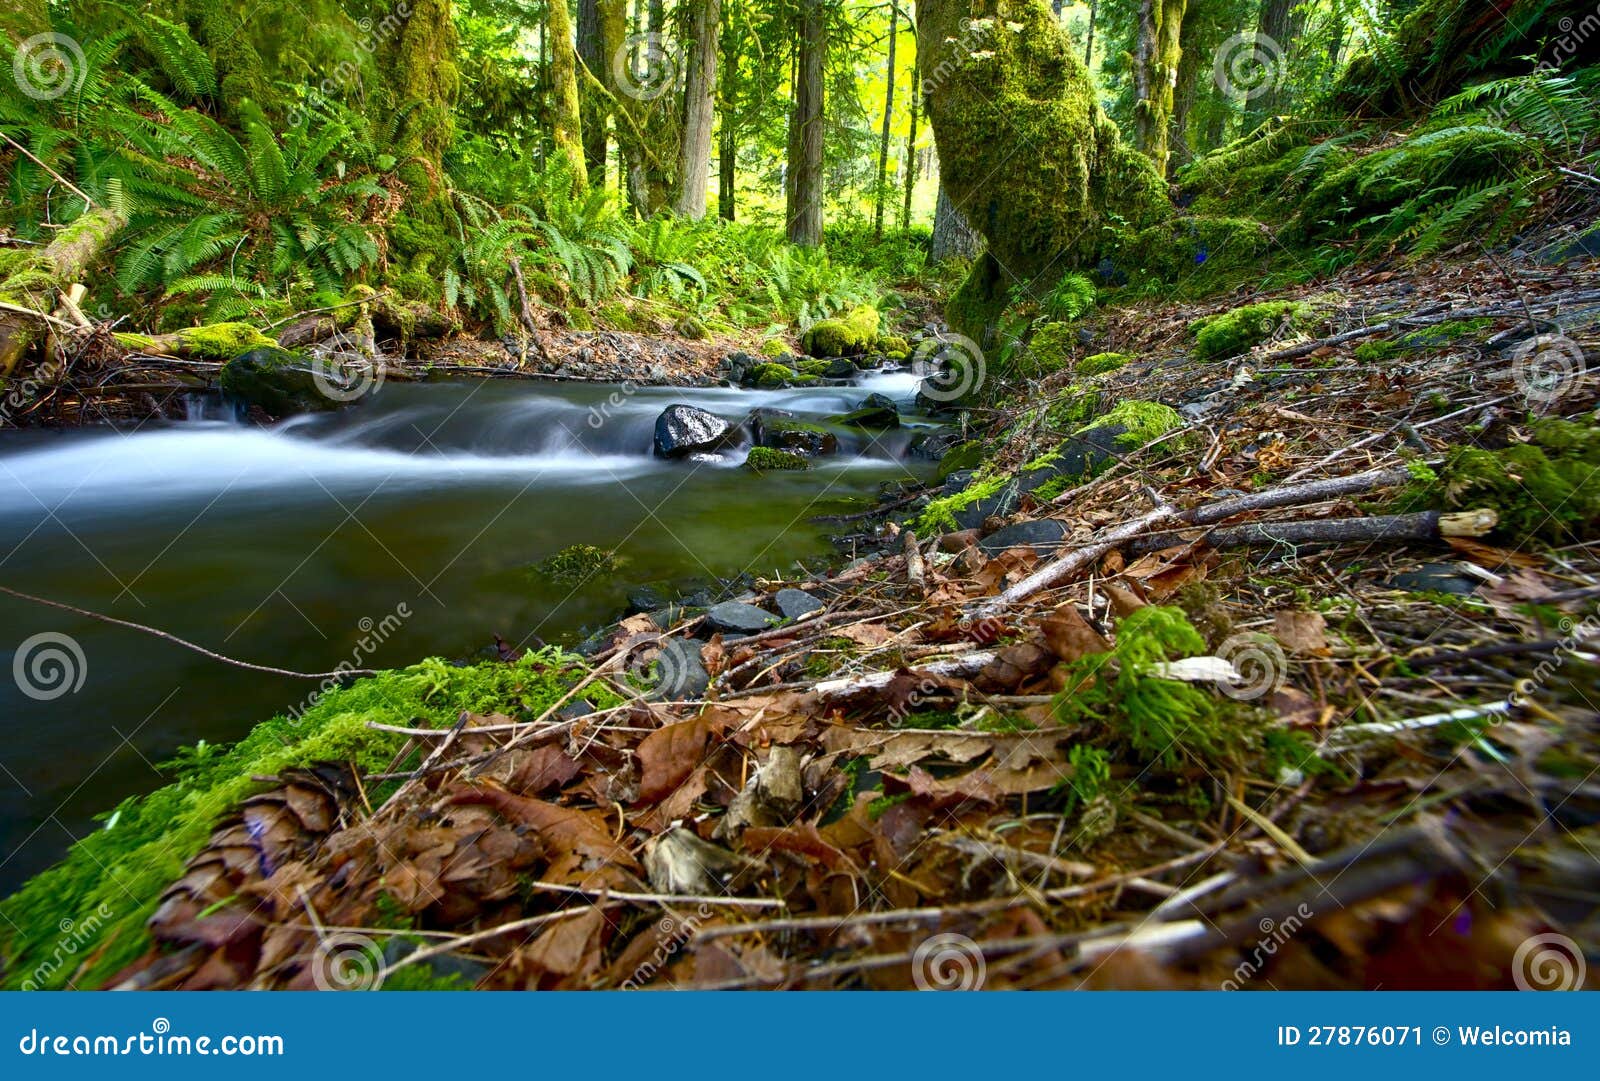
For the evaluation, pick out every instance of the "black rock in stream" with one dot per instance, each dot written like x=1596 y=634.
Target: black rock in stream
x=280 y=383
x=877 y=411
x=682 y=430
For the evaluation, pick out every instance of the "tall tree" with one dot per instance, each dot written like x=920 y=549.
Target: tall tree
x=953 y=237
x=911 y=146
x=1088 y=45
x=566 y=119
x=1282 y=22
x=888 y=117
x=699 y=112
x=728 y=103
x=805 y=147
x=1155 y=74
x=591 y=52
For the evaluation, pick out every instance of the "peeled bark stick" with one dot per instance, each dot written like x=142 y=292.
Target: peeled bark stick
x=916 y=573
x=1071 y=562
x=967 y=664
x=1423 y=526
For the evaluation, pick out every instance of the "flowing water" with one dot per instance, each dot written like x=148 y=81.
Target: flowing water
x=407 y=522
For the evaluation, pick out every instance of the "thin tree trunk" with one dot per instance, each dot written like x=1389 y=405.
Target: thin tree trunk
x=888 y=116
x=1157 y=53
x=699 y=112
x=911 y=147
x=1088 y=47
x=591 y=50
x=566 y=121
x=953 y=238
x=1280 y=22
x=728 y=132
x=805 y=210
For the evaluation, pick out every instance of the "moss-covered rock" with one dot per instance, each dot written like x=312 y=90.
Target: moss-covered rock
x=1140 y=422
x=1100 y=363
x=767 y=459
x=846 y=336
x=277 y=382
x=1047 y=352
x=771 y=428
x=772 y=376
x=893 y=346
x=1230 y=333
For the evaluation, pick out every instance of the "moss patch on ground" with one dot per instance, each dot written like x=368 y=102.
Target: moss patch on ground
x=110 y=882
x=1100 y=363
x=1230 y=333
x=1143 y=422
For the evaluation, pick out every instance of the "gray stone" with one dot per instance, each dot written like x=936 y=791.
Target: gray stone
x=1435 y=578
x=683 y=675
x=794 y=603
x=739 y=618
x=682 y=430
x=1043 y=535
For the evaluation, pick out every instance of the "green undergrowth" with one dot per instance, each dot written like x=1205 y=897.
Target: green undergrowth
x=939 y=516
x=1142 y=421
x=846 y=336
x=111 y=880
x=1547 y=489
x=1100 y=363
x=1230 y=333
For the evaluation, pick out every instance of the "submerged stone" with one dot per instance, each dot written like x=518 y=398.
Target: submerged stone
x=279 y=383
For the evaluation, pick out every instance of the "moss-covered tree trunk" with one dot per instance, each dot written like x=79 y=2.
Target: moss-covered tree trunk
x=21 y=19
x=1155 y=75
x=953 y=238
x=33 y=282
x=566 y=117
x=805 y=149
x=1025 y=152
x=699 y=112
x=596 y=109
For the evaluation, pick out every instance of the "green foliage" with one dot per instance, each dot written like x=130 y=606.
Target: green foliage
x=1158 y=718
x=843 y=337
x=122 y=868
x=939 y=515
x=1047 y=351
x=1091 y=776
x=1227 y=334
x=1547 y=489
x=1071 y=297
x=1100 y=363
x=1143 y=422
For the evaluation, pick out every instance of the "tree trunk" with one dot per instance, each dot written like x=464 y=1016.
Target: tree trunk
x=888 y=116
x=953 y=238
x=911 y=147
x=1088 y=46
x=591 y=51
x=1281 y=22
x=699 y=112
x=1155 y=74
x=728 y=132
x=805 y=164
x=566 y=120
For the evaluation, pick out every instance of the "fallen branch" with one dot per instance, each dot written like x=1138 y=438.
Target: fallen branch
x=1393 y=528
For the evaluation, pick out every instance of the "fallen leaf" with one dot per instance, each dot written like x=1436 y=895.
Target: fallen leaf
x=1069 y=635
x=1304 y=633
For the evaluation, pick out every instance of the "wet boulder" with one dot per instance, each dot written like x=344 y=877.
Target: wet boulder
x=682 y=430
x=794 y=603
x=782 y=431
x=733 y=617
x=876 y=411
x=281 y=383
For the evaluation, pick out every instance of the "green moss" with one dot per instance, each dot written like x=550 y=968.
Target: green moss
x=1376 y=352
x=1047 y=351
x=1231 y=333
x=1143 y=421
x=763 y=459
x=939 y=516
x=892 y=346
x=111 y=881
x=968 y=455
x=772 y=376
x=843 y=337
x=774 y=347
x=575 y=564
x=1101 y=363
x=1444 y=333
x=580 y=319
x=223 y=341
x=1076 y=406
x=1547 y=489
x=1192 y=254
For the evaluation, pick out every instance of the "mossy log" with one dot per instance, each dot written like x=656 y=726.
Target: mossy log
x=33 y=281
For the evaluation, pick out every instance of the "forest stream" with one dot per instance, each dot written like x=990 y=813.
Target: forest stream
x=410 y=522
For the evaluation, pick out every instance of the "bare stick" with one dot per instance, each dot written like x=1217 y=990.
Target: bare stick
x=175 y=640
